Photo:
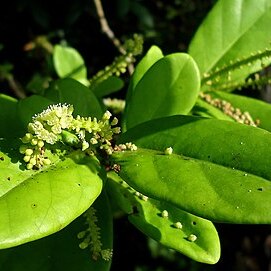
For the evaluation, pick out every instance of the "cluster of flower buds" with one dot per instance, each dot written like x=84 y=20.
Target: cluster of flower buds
x=33 y=150
x=57 y=123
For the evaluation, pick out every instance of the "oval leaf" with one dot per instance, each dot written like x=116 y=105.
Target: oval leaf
x=220 y=142
x=233 y=156
x=34 y=204
x=72 y=92
x=69 y=63
x=152 y=56
x=211 y=191
x=169 y=87
x=232 y=30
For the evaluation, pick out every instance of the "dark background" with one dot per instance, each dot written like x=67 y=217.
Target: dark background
x=168 y=24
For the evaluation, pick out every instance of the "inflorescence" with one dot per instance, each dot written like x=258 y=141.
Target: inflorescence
x=57 y=123
x=228 y=109
x=91 y=237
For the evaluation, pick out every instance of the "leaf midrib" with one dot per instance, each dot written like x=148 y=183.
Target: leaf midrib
x=211 y=66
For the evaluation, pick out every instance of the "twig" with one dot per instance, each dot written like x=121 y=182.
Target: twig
x=15 y=87
x=105 y=27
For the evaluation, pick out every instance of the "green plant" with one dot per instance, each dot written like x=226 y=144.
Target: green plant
x=190 y=151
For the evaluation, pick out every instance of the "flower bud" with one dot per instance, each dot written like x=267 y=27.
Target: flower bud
x=33 y=161
x=27 y=158
x=40 y=144
x=28 y=152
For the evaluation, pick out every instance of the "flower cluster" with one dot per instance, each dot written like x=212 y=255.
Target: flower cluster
x=92 y=237
x=57 y=123
x=228 y=109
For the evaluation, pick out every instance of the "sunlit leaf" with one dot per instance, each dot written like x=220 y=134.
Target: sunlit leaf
x=232 y=30
x=168 y=88
x=218 y=170
x=146 y=214
x=37 y=203
x=69 y=63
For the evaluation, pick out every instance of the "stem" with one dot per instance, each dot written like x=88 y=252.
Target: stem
x=105 y=26
x=15 y=87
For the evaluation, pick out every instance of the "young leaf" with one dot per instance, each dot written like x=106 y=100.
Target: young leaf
x=172 y=231
x=152 y=56
x=168 y=88
x=218 y=171
x=72 y=92
x=59 y=251
x=232 y=30
x=69 y=63
x=37 y=203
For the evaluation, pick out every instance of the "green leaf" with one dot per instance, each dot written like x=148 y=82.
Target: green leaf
x=168 y=88
x=118 y=193
x=219 y=169
x=72 y=92
x=59 y=251
x=10 y=123
x=232 y=30
x=204 y=109
x=108 y=86
x=69 y=63
x=257 y=109
x=202 y=188
x=37 y=203
x=30 y=106
x=152 y=56
x=146 y=216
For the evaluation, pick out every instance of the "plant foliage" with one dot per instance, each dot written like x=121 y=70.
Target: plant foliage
x=191 y=151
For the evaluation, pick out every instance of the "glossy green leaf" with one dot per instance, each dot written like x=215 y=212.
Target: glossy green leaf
x=168 y=88
x=10 y=123
x=69 y=63
x=152 y=56
x=59 y=251
x=108 y=86
x=146 y=215
x=232 y=30
x=37 y=203
x=259 y=110
x=220 y=170
x=205 y=189
x=72 y=92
